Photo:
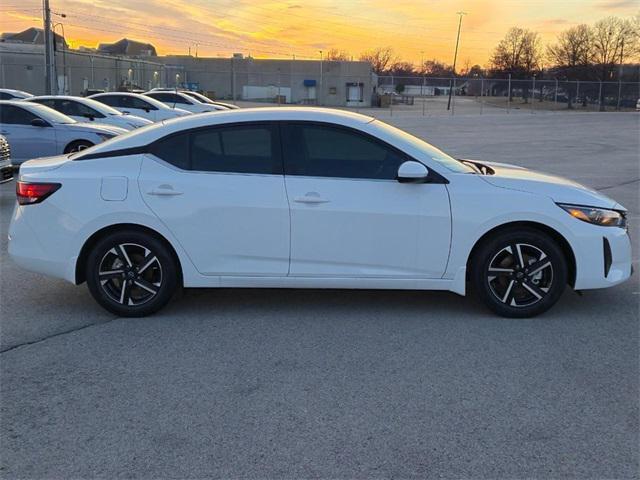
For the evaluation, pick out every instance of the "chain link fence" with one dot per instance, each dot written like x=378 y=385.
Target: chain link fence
x=299 y=82
x=479 y=95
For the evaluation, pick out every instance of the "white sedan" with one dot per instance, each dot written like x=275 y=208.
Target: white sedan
x=139 y=105
x=89 y=110
x=178 y=99
x=308 y=198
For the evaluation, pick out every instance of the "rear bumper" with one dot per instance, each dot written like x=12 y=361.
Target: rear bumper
x=27 y=250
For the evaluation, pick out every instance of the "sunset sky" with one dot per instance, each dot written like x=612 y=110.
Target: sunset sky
x=292 y=27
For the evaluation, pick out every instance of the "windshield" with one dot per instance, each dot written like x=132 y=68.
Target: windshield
x=49 y=114
x=198 y=96
x=429 y=150
x=100 y=107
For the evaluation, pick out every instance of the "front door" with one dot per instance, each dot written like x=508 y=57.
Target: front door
x=220 y=190
x=26 y=141
x=349 y=215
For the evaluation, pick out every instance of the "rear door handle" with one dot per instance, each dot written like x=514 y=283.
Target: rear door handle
x=312 y=198
x=164 y=190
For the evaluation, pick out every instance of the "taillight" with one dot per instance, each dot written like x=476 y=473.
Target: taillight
x=31 y=193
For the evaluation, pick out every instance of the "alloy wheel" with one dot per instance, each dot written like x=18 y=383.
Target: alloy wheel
x=520 y=275
x=130 y=274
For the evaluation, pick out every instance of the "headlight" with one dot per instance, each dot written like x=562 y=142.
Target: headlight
x=597 y=216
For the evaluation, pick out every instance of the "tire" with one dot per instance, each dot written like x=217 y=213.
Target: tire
x=519 y=273
x=131 y=273
x=77 y=145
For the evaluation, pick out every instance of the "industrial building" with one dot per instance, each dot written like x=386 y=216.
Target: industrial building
x=110 y=67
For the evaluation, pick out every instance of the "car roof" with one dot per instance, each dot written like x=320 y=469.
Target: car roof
x=123 y=94
x=150 y=133
x=13 y=90
x=57 y=97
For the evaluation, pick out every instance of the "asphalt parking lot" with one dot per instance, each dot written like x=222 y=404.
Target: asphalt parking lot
x=337 y=384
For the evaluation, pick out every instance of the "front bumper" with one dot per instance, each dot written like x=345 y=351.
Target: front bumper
x=6 y=173
x=604 y=259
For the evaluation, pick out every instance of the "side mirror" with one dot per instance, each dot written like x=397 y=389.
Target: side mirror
x=38 y=122
x=89 y=116
x=412 y=172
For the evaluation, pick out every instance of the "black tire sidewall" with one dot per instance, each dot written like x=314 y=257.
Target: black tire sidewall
x=494 y=244
x=169 y=273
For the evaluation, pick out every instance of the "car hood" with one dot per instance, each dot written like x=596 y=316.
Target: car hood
x=559 y=189
x=94 y=128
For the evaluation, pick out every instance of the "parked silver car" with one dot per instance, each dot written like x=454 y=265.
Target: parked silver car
x=34 y=130
x=6 y=169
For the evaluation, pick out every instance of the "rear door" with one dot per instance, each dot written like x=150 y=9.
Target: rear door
x=349 y=215
x=25 y=140
x=220 y=190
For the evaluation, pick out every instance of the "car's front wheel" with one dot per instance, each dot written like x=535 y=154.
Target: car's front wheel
x=131 y=273
x=519 y=272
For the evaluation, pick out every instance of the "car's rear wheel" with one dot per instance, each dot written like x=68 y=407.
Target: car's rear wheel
x=131 y=273
x=519 y=272
x=77 y=146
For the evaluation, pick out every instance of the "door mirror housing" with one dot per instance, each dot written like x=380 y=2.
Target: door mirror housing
x=38 y=122
x=412 y=172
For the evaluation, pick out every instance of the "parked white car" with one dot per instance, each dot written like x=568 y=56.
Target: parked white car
x=308 y=198
x=177 y=99
x=11 y=94
x=198 y=96
x=139 y=105
x=205 y=99
x=34 y=131
x=88 y=110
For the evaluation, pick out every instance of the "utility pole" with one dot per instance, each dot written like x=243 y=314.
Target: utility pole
x=49 y=59
x=620 y=74
x=455 y=56
x=320 y=96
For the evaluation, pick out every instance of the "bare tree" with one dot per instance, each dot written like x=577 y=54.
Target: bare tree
x=519 y=54
x=614 y=41
x=573 y=54
x=574 y=49
x=435 y=68
x=335 y=55
x=380 y=59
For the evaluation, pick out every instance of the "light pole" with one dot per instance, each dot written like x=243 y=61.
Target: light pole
x=320 y=92
x=455 y=56
x=64 y=54
x=422 y=71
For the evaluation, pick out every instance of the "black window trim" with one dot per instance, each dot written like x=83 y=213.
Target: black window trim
x=278 y=127
x=433 y=177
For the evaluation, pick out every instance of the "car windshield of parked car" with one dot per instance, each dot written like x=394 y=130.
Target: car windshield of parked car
x=49 y=114
x=201 y=98
x=101 y=107
x=429 y=150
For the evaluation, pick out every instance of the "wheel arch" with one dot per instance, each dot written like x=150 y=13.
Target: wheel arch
x=554 y=234
x=69 y=144
x=99 y=234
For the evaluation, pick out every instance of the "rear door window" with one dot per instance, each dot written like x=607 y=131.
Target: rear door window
x=247 y=148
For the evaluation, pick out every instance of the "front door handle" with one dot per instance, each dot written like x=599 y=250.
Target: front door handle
x=164 y=190
x=312 y=198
